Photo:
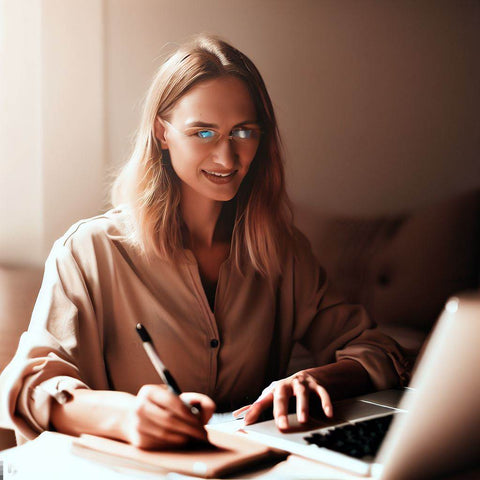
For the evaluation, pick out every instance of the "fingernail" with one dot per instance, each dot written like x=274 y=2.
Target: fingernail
x=328 y=411
x=239 y=414
x=302 y=417
x=239 y=411
x=282 y=421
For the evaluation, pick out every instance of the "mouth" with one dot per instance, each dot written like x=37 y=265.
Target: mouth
x=219 y=174
x=219 y=177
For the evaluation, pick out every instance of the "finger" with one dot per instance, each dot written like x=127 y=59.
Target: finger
x=155 y=420
x=268 y=390
x=252 y=414
x=167 y=400
x=205 y=404
x=281 y=396
x=301 y=391
x=263 y=402
x=325 y=399
x=237 y=413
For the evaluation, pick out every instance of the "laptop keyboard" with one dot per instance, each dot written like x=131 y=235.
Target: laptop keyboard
x=360 y=440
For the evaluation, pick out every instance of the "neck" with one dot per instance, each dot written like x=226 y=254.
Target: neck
x=200 y=216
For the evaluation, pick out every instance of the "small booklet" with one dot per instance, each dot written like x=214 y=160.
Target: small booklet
x=226 y=453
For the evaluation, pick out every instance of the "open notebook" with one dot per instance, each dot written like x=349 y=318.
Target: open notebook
x=227 y=453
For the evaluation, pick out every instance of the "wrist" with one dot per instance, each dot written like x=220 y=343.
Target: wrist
x=103 y=413
x=116 y=423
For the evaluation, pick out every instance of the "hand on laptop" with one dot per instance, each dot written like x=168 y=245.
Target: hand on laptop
x=300 y=385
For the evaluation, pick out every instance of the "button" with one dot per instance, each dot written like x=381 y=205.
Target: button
x=384 y=279
x=214 y=343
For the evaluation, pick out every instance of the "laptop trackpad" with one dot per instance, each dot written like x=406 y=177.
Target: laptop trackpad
x=353 y=410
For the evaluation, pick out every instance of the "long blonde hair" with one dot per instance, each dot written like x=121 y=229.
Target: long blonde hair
x=149 y=185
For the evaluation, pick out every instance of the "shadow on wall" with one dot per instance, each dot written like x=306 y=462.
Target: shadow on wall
x=402 y=268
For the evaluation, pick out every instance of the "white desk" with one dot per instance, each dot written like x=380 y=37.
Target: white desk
x=49 y=457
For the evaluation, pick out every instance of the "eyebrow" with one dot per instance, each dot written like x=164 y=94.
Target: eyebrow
x=196 y=123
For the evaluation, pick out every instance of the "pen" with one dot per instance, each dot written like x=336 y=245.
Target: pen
x=161 y=369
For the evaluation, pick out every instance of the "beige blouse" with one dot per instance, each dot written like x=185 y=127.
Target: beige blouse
x=97 y=287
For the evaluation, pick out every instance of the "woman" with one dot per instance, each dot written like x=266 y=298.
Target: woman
x=201 y=249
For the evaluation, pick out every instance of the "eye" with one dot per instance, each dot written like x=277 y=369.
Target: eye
x=243 y=133
x=205 y=134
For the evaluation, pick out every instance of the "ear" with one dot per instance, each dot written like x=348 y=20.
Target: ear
x=160 y=133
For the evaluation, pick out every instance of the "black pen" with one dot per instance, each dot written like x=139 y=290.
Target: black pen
x=161 y=369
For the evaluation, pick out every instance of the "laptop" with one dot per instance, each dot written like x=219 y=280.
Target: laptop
x=430 y=429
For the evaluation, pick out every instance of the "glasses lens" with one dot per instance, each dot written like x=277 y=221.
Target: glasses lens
x=207 y=135
x=245 y=134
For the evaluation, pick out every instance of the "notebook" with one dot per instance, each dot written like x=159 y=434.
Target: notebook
x=225 y=454
x=432 y=428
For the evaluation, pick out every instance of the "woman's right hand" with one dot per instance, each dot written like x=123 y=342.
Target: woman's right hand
x=157 y=418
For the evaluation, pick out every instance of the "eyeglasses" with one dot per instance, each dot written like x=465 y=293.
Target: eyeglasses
x=245 y=135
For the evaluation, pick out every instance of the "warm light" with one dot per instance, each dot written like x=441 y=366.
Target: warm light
x=452 y=305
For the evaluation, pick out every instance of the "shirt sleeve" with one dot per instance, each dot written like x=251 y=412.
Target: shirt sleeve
x=59 y=351
x=333 y=330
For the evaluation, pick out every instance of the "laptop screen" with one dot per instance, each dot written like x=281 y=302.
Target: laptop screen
x=441 y=433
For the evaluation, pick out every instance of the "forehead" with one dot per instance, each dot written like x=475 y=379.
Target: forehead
x=218 y=100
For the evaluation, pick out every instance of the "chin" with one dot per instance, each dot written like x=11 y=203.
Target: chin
x=224 y=197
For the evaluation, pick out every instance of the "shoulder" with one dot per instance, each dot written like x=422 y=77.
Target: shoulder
x=111 y=223
x=303 y=260
x=300 y=240
x=300 y=247
x=90 y=234
x=91 y=248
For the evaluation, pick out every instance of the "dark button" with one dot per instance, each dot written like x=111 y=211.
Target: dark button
x=384 y=279
x=214 y=343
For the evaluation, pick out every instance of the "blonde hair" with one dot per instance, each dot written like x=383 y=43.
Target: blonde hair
x=149 y=185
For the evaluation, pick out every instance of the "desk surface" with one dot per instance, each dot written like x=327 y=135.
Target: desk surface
x=49 y=456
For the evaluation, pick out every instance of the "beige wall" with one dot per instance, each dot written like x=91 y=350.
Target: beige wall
x=52 y=135
x=73 y=132
x=377 y=100
x=21 y=209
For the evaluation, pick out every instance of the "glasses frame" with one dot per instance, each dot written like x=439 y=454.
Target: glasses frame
x=212 y=143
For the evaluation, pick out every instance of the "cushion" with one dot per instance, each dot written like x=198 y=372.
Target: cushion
x=401 y=267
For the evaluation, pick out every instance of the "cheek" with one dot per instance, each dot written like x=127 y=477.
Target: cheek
x=246 y=160
x=183 y=161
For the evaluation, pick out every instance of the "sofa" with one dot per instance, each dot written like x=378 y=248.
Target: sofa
x=402 y=268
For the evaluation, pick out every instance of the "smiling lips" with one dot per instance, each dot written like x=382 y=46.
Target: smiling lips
x=219 y=177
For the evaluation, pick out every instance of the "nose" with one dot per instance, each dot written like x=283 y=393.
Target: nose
x=224 y=153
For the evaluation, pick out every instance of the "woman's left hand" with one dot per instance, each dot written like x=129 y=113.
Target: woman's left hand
x=278 y=393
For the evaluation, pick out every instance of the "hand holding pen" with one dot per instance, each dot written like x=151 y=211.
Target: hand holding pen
x=161 y=369
x=164 y=417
